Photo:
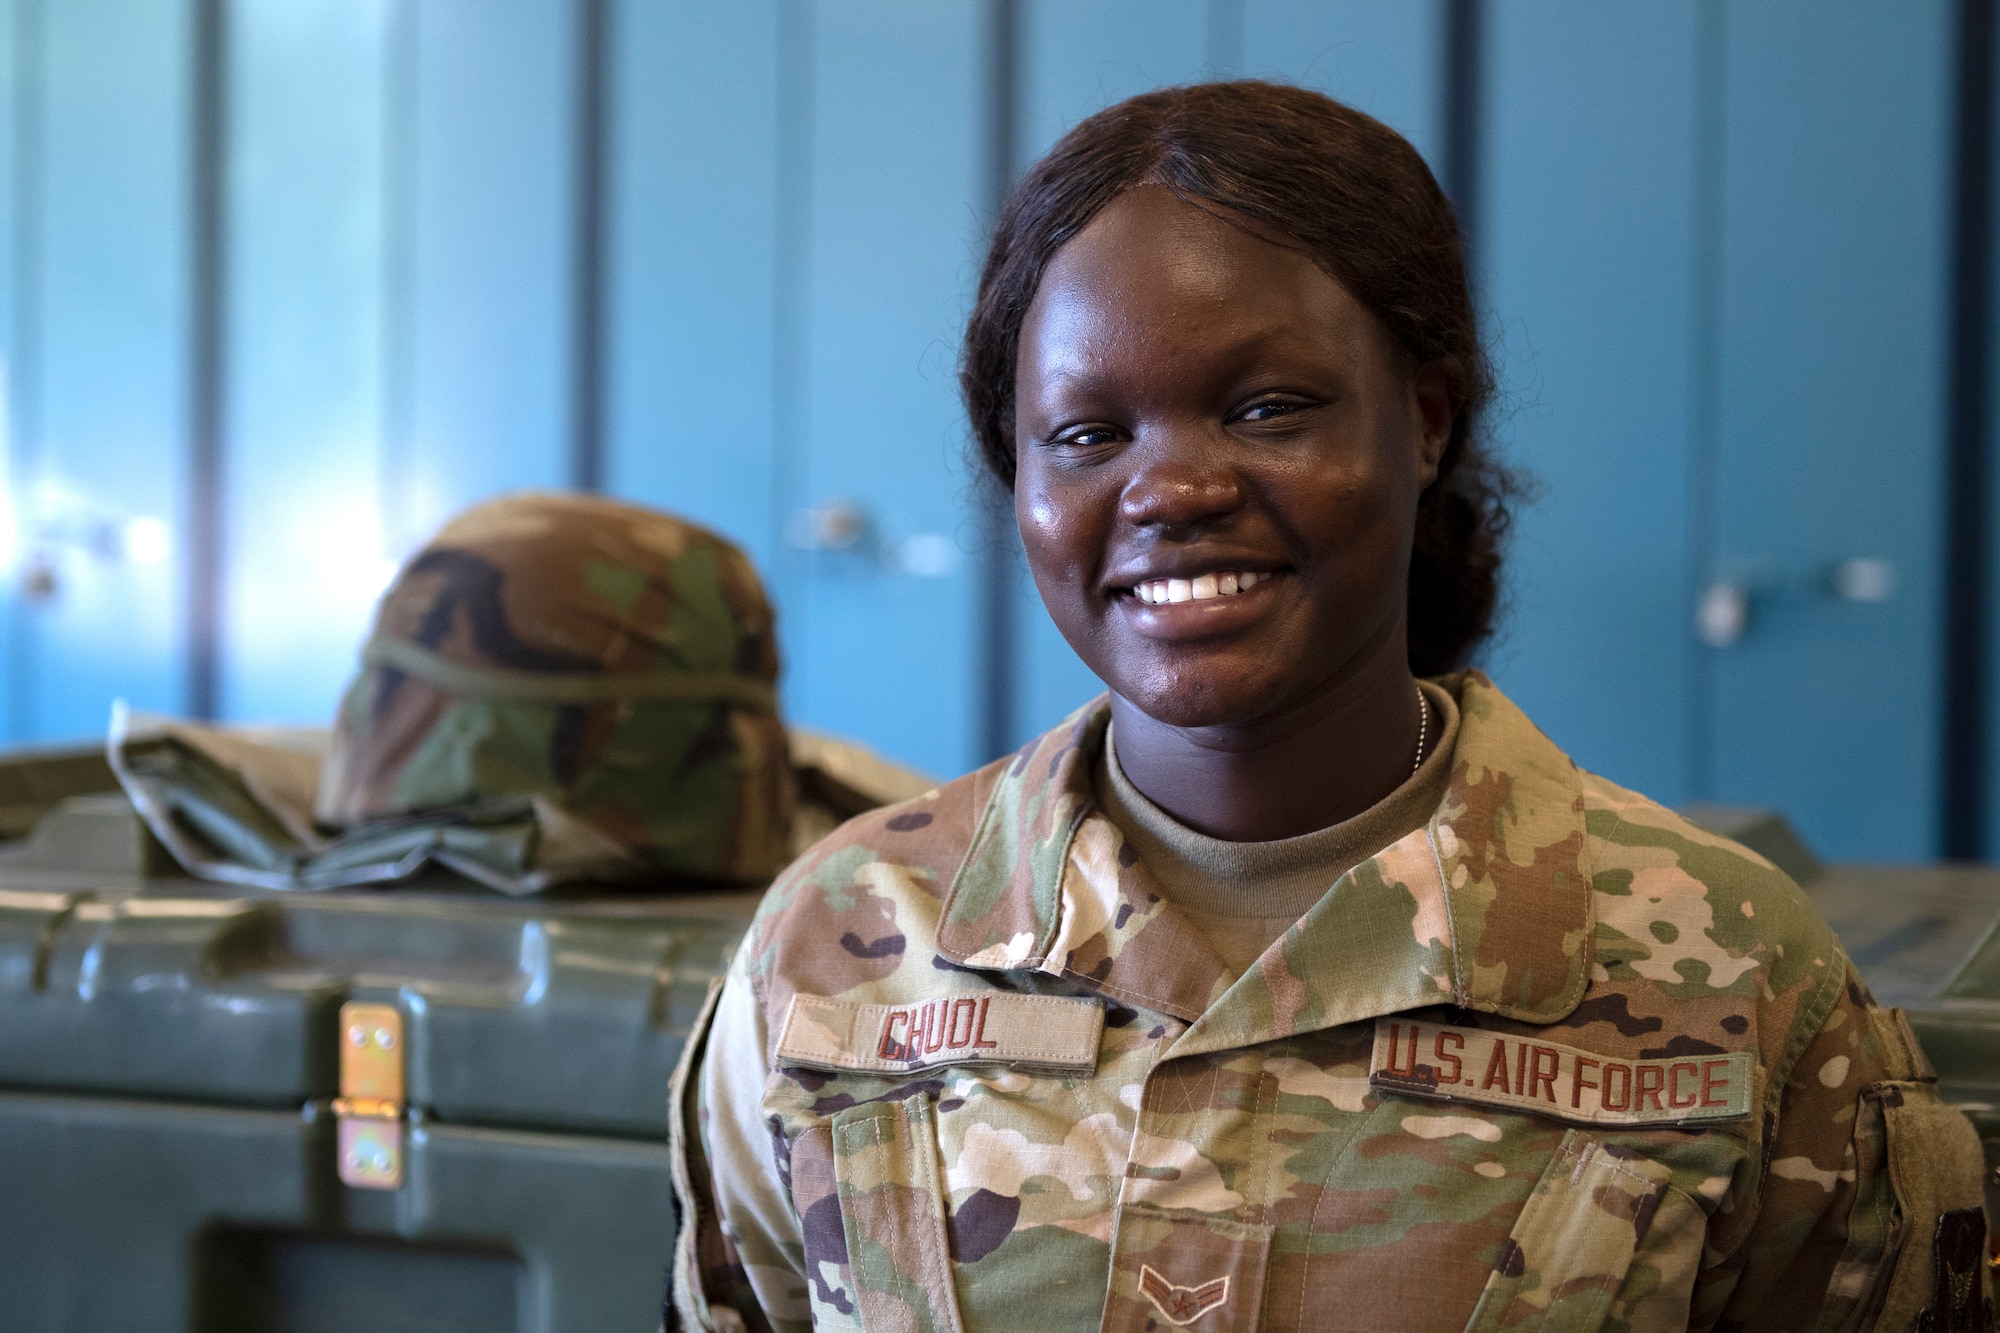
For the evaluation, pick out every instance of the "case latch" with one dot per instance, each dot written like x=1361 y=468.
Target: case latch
x=368 y=1114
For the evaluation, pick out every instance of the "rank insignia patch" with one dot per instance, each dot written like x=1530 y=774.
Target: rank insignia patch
x=1181 y=1306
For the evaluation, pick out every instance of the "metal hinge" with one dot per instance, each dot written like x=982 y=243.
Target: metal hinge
x=368 y=1114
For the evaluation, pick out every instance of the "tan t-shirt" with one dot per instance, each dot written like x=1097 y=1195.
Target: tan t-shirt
x=1243 y=895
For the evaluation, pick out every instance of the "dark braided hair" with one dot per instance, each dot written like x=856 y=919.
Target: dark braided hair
x=1356 y=198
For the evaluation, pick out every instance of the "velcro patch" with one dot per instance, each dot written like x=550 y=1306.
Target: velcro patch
x=1043 y=1032
x=1458 y=1064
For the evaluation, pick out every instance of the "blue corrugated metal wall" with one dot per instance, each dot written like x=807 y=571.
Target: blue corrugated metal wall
x=1715 y=252
x=717 y=257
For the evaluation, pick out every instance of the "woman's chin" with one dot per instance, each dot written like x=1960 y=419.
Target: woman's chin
x=1195 y=703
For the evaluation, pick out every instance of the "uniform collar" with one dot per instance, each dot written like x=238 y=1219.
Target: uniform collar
x=1487 y=907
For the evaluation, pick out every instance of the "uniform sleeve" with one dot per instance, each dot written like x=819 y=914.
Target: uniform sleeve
x=738 y=1259
x=1867 y=1213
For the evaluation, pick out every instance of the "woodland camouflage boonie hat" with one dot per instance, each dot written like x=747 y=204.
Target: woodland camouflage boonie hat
x=605 y=659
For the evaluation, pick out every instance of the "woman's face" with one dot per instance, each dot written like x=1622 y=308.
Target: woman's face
x=1219 y=460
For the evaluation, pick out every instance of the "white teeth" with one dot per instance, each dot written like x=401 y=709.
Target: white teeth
x=1158 y=592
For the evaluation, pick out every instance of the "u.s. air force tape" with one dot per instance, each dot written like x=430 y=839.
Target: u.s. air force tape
x=1046 y=1032
x=1527 y=1074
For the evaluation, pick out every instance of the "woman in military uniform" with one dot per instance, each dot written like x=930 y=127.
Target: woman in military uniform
x=1299 y=983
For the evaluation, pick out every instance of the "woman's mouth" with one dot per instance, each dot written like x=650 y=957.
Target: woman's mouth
x=1226 y=583
x=1222 y=602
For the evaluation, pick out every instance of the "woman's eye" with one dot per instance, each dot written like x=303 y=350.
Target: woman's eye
x=1086 y=437
x=1268 y=410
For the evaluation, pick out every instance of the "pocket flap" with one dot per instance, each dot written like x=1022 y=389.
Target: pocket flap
x=1936 y=1165
x=1570 y=1248
x=892 y=1206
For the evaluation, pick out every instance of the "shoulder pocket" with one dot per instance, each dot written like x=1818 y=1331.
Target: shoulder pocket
x=892 y=1212
x=1938 y=1240
x=1574 y=1242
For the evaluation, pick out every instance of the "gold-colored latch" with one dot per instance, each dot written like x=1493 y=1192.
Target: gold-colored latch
x=368 y=1114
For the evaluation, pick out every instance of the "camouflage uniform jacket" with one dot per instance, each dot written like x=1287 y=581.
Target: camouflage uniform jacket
x=1557 y=1060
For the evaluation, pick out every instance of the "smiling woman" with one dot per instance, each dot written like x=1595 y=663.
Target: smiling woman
x=1299 y=982
x=1197 y=402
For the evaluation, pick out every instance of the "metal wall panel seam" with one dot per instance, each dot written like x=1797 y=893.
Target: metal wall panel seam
x=588 y=385
x=1967 y=497
x=395 y=496
x=23 y=385
x=791 y=352
x=207 y=244
x=1463 y=91
x=999 y=545
x=1704 y=397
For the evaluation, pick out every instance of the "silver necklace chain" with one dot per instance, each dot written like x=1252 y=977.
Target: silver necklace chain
x=1423 y=728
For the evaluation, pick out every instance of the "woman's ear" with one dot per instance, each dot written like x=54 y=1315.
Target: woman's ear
x=1432 y=414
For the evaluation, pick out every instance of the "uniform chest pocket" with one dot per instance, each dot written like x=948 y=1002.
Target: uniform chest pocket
x=1575 y=1240
x=891 y=1192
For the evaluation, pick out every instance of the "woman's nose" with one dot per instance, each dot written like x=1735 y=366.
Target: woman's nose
x=1180 y=484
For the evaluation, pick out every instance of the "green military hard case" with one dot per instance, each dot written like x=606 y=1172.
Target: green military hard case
x=172 y=1109
x=1926 y=939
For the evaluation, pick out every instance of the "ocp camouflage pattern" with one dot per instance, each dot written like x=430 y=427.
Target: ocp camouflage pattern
x=610 y=661
x=1230 y=1164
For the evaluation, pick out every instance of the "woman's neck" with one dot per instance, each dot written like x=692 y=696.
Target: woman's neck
x=1304 y=767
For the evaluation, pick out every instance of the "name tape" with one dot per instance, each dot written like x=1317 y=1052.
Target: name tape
x=1045 y=1032
x=1526 y=1074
